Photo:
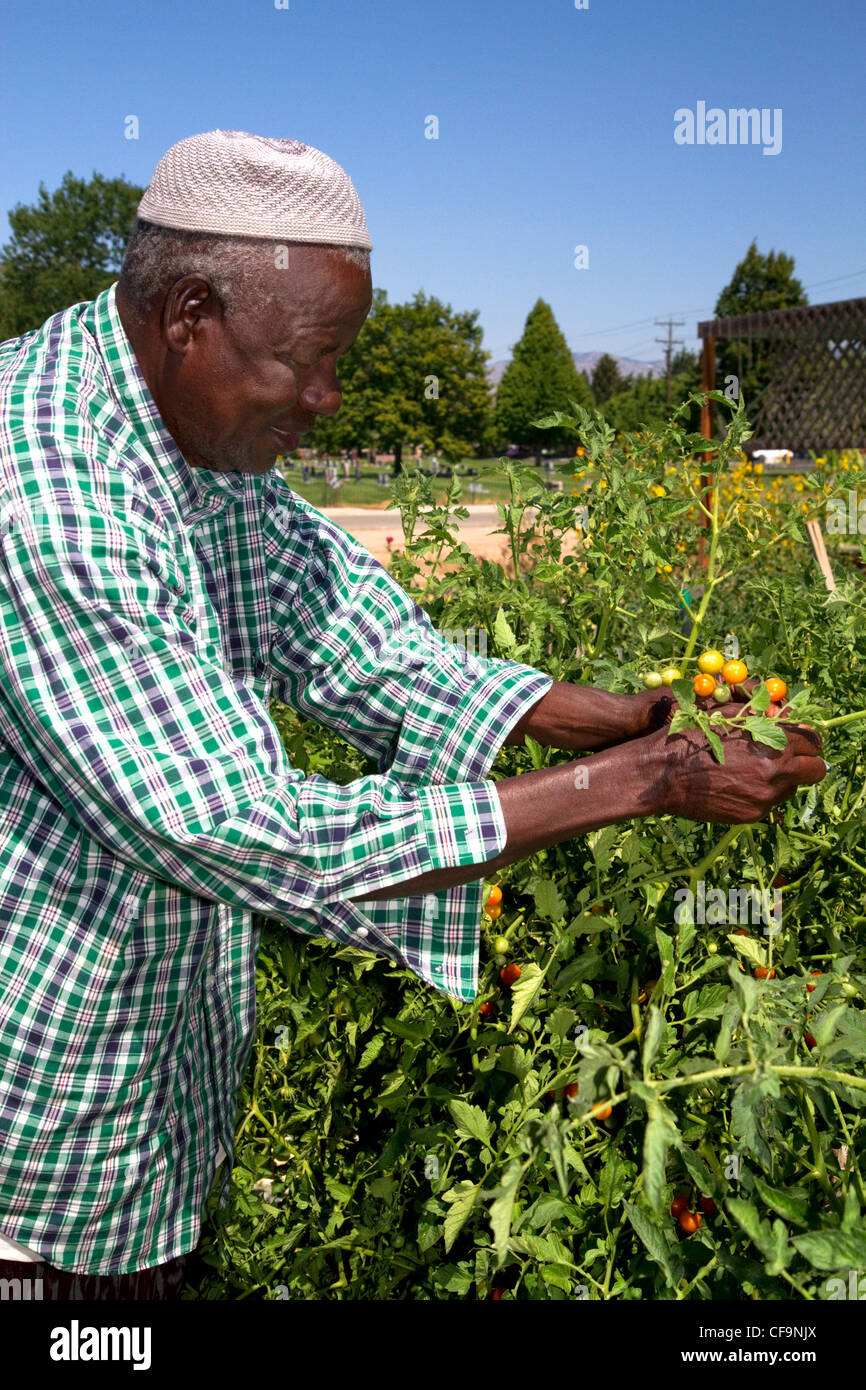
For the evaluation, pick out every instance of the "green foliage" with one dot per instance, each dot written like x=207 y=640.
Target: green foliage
x=540 y=377
x=415 y=375
x=66 y=247
x=393 y=1144
x=760 y=282
x=607 y=379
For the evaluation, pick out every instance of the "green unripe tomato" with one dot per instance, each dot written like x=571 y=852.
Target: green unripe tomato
x=652 y=680
x=712 y=947
x=722 y=693
x=499 y=961
x=850 y=990
x=500 y=945
x=671 y=674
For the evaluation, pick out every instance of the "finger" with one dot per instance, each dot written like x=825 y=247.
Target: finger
x=802 y=740
x=808 y=770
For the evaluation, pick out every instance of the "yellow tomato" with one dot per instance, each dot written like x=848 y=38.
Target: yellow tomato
x=711 y=662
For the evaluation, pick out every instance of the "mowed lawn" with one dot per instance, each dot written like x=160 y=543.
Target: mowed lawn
x=490 y=477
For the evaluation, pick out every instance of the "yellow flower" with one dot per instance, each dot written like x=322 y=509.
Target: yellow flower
x=658 y=491
x=602 y=482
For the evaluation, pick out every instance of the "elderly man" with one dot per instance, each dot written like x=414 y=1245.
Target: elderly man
x=159 y=582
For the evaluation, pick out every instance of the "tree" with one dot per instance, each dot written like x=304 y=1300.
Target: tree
x=758 y=283
x=415 y=375
x=607 y=379
x=64 y=248
x=540 y=377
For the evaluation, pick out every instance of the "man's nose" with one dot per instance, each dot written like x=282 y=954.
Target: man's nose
x=322 y=394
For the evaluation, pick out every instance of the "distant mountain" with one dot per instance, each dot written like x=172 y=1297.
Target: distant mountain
x=585 y=362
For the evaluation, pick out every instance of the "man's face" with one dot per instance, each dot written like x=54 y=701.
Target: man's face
x=245 y=387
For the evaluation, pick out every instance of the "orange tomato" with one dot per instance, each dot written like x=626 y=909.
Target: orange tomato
x=734 y=672
x=689 y=1221
x=777 y=688
x=493 y=912
x=494 y=897
x=509 y=973
x=600 y=1112
x=762 y=973
x=704 y=685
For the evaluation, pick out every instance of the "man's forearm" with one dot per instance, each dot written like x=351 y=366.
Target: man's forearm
x=542 y=808
x=580 y=718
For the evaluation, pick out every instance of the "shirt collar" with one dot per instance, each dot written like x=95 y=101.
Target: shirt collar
x=192 y=489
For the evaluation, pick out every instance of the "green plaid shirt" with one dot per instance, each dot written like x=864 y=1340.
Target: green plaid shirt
x=148 y=810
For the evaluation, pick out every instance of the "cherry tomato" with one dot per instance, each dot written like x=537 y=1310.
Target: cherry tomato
x=509 y=973
x=780 y=881
x=494 y=897
x=704 y=685
x=671 y=674
x=497 y=1293
x=777 y=688
x=708 y=1206
x=712 y=947
x=722 y=693
x=711 y=662
x=809 y=1040
x=734 y=672
x=488 y=1008
x=571 y=1090
x=500 y=946
x=679 y=1205
x=689 y=1221
x=652 y=680
x=493 y=912
x=601 y=1112
x=811 y=988
x=740 y=931
x=763 y=973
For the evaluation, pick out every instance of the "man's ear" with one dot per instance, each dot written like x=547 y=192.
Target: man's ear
x=191 y=308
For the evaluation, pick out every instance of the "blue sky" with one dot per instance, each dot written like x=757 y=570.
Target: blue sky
x=556 y=129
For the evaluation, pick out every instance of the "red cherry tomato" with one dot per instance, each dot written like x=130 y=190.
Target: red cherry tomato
x=809 y=1040
x=689 y=1221
x=679 y=1205
x=488 y=1008
x=509 y=973
x=763 y=973
x=708 y=1206
x=571 y=1091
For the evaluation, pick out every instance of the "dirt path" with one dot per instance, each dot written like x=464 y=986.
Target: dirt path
x=371 y=526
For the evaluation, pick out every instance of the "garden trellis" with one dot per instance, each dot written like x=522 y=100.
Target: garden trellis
x=816 y=396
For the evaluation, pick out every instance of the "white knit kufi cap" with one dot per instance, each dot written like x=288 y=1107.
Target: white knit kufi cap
x=235 y=184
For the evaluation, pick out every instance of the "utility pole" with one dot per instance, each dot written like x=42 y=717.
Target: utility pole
x=668 y=345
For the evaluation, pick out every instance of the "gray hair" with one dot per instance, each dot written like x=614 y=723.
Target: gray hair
x=158 y=256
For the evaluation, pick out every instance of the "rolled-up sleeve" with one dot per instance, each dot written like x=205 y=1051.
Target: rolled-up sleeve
x=167 y=760
x=353 y=652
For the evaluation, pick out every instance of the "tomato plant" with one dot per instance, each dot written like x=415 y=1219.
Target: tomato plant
x=445 y=1124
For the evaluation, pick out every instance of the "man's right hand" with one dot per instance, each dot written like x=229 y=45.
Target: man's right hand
x=752 y=780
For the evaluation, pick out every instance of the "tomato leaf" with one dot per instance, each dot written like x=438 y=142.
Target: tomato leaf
x=766 y=731
x=471 y=1121
x=462 y=1198
x=523 y=991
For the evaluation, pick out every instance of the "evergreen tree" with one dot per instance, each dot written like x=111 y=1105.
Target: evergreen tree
x=607 y=379
x=541 y=377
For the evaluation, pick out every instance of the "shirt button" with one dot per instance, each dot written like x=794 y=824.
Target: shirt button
x=363 y=931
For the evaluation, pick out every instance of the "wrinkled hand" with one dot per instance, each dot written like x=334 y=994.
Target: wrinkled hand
x=752 y=780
